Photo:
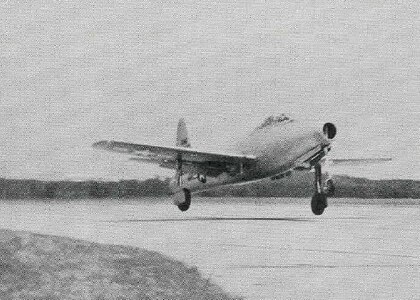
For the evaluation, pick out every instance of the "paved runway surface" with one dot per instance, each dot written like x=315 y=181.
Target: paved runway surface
x=256 y=248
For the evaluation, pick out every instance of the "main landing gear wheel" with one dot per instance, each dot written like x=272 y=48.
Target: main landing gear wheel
x=185 y=205
x=318 y=203
x=319 y=199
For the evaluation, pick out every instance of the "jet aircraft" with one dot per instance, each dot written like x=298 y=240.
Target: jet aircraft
x=273 y=150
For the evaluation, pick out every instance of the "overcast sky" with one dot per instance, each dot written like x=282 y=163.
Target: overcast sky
x=74 y=72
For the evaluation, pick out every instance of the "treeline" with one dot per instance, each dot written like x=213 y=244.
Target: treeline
x=297 y=185
x=22 y=189
x=301 y=185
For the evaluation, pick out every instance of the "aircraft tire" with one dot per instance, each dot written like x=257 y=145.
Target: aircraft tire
x=186 y=205
x=318 y=203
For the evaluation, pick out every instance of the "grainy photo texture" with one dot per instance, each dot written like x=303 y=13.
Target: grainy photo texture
x=209 y=149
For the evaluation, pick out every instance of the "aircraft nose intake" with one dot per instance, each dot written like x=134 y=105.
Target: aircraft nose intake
x=329 y=130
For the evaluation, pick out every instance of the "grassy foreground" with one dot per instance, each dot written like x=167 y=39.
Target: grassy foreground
x=34 y=266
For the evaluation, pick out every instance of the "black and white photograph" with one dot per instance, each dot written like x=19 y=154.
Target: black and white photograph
x=251 y=149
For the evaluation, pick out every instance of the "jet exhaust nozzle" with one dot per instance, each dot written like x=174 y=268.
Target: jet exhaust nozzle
x=329 y=130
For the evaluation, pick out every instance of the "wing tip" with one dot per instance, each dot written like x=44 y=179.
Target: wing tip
x=101 y=144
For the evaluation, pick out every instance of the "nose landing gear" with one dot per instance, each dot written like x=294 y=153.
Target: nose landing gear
x=319 y=199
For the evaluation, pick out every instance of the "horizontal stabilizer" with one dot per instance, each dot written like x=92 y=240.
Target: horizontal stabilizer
x=357 y=161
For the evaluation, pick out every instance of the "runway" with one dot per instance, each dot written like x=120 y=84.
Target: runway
x=256 y=248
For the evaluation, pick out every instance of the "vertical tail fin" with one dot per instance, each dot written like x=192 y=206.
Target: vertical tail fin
x=182 y=135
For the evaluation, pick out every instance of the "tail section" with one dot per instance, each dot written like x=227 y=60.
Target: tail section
x=182 y=135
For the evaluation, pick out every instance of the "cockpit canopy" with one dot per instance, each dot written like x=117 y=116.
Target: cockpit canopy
x=272 y=120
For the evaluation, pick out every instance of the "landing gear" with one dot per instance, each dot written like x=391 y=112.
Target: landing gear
x=329 y=187
x=183 y=198
x=318 y=203
x=184 y=206
x=319 y=199
x=182 y=194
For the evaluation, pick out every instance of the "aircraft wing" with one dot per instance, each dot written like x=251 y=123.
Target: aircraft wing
x=167 y=157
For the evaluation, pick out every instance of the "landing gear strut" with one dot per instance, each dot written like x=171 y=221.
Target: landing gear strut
x=319 y=199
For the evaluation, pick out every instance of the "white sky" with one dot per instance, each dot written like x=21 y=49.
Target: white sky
x=72 y=73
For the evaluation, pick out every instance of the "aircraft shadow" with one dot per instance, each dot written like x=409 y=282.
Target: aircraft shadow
x=213 y=219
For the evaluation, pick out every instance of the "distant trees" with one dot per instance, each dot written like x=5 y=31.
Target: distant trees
x=297 y=185
x=301 y=185
x=23 y=189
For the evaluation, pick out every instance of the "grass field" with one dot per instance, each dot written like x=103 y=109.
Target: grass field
x=34 y=266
